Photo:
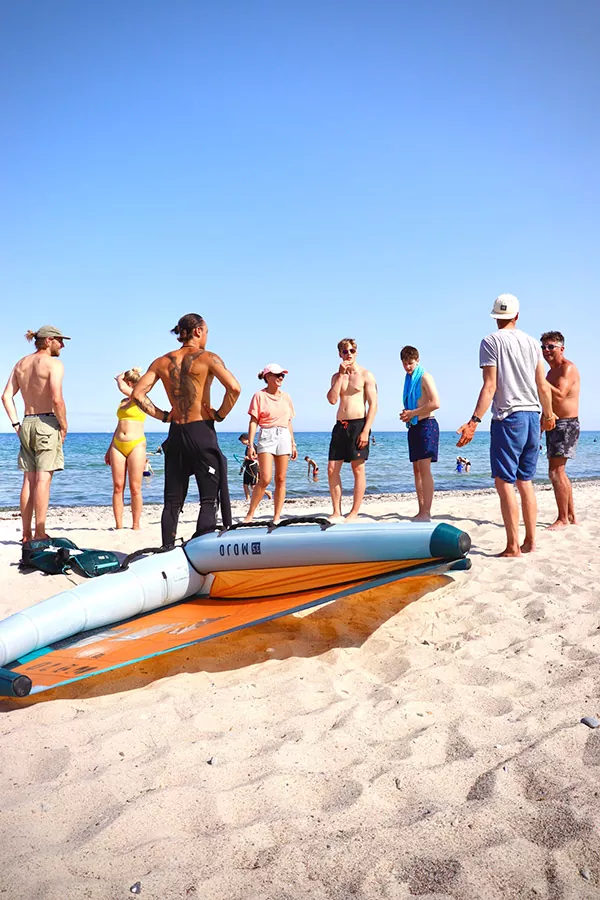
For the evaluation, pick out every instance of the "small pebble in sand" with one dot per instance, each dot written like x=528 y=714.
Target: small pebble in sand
x=590 y=721
x=136 y=888
x=585 y=874
x=211 y=761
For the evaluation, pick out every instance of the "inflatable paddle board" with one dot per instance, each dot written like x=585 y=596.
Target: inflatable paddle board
x=267 y=572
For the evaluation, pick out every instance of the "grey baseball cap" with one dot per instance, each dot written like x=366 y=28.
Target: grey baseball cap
x=49 y=331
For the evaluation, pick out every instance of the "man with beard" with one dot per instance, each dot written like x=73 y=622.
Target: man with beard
x=38 y=377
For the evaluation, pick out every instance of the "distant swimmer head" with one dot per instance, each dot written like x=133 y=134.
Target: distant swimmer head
x=274 y=370
x=132 y=376
x=187 y=325
x=48 y=337
x=505 y=308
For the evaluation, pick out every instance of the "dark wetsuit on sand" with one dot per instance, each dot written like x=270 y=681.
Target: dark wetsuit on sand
x=193 y=449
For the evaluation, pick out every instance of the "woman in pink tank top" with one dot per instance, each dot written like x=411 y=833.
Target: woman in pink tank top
x=271 y=411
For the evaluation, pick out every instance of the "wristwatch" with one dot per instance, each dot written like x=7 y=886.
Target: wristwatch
x=475 y=418
x=165 y=416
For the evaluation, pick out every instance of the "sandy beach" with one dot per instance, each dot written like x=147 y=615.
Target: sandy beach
x=427 y=744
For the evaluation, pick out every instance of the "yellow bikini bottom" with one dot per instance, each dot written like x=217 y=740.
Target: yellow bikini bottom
x=125 y=447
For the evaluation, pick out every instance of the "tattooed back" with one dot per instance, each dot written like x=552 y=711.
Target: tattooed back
x=187 y=375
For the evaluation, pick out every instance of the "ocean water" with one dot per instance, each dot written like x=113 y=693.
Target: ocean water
x=86 y=481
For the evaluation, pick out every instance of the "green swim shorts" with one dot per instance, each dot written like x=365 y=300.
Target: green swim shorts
x=41 y=445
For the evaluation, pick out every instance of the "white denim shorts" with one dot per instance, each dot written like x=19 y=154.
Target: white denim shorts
x=277 y=441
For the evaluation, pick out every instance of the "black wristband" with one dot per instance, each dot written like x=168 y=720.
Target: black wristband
x=475 y=418
x=218 y=417
x=165 y=416
x=15 y=424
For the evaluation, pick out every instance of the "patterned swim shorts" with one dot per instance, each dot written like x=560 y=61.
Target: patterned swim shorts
x=562 y=440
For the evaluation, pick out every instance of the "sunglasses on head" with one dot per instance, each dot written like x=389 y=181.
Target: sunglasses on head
x=348 y=350
x=550 y=346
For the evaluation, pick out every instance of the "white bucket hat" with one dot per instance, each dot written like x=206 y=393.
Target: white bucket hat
x=506 y=306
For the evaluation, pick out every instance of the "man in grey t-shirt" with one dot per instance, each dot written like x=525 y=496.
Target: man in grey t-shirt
x=514 y=383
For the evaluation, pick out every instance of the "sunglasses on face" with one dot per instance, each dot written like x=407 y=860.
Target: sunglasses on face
x=280 y=375
x=348 y=351
x=550 y=346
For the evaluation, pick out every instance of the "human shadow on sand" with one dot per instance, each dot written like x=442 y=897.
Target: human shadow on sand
x=342 y=624
x=396 y=517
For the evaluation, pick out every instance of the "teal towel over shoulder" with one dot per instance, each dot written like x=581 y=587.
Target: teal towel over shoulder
x=412 y=391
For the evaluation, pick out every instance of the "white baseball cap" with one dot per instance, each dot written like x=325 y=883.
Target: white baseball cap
x=274 y=369
x=506 y=306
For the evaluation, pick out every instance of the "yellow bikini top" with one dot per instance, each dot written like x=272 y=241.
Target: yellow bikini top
x=132 y=412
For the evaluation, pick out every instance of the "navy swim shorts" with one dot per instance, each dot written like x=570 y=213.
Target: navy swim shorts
x=424 y=440
x=515 y=446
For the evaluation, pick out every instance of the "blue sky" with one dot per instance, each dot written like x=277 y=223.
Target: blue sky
x=298 y=173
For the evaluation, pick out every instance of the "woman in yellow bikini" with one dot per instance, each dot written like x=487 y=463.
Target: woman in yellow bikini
x=127 y=452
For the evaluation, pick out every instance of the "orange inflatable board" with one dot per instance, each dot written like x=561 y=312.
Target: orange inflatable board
x=179 y=625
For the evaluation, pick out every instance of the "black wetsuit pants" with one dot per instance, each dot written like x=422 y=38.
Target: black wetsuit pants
x=193 y=449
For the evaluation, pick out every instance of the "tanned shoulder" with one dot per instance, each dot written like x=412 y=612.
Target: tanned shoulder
x=215 y=359
x=159 y=362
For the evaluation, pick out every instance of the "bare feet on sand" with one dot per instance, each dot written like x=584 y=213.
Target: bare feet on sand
x=556 y=526
x=421 y=517
x=511 y=552
x=336 y=520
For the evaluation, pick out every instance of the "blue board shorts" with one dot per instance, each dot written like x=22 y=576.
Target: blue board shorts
x=515 y=446
x=424 y=440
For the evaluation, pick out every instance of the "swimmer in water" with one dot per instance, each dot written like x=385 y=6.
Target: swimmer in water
x=312 y=465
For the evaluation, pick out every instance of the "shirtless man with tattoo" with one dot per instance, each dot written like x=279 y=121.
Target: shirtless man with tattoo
x=356 y=391
x=561 y=442
x=192 y=448
x=42 y=432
